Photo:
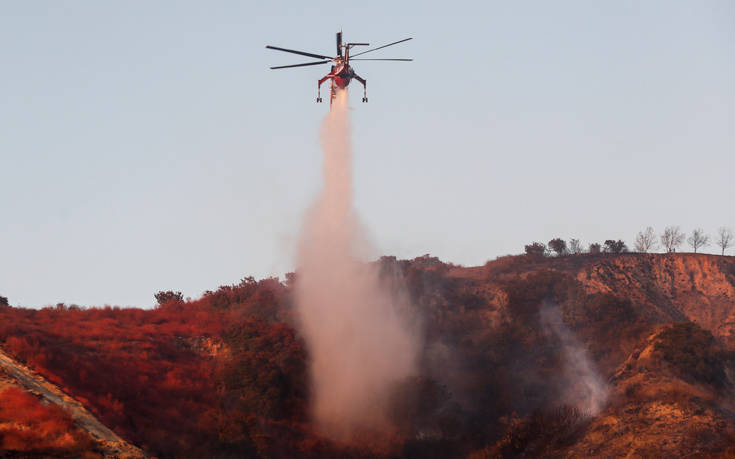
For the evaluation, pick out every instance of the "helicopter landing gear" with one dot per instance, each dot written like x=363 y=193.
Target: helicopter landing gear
x=319 y=88
x=364 y=88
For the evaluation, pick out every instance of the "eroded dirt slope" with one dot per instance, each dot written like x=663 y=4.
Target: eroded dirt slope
x=674 y=287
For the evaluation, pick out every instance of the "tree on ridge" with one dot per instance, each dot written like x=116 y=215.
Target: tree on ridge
x=724 y=238
x=698 y=239
x=168 y=297
x=672 y=238
x=613 y=246
x=559 y=246
x=646 y=240
x=536 y=249
x=575 y=246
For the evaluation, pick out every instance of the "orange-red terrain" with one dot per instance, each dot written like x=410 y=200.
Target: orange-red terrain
x=227 y=375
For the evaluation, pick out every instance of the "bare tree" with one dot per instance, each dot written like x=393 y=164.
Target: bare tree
x=724 y=238
x=672 y=238
x=575 y=246
x=646 y=241
x=698 y=239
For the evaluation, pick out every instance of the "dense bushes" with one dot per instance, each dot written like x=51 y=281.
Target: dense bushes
x=154 y=376
x=601 y=308
x=693 y=352
x=265 y=371
x=134 y=369
x=540 y=434
x=526 y=294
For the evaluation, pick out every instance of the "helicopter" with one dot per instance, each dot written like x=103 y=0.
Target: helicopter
x=342 y=72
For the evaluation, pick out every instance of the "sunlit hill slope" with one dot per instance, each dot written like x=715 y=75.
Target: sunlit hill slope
x=608 y=355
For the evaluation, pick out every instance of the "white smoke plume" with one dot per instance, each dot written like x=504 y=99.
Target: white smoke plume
x=583 y=388
x=359 y=341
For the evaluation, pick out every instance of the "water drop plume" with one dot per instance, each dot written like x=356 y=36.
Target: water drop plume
x=582 y=385
x=359 y=339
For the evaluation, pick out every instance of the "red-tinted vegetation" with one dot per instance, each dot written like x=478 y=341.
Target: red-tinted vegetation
x=30 y=429
x=154 y=376
x=227 y=375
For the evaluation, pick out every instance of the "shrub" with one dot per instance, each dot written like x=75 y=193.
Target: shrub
x=168 y=297
x=613 y=246
x=525 y=295
x=541 y=433
x=30 y=429
x=559 y=246
x=536 y=249
x=693 y=353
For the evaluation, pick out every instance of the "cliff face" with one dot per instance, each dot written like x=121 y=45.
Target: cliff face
x=671 y=287
x=669 y=383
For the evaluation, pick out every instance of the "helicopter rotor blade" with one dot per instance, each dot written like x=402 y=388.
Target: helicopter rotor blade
x=381 y=47
x=299 y=65
x=339 y=44
x=315 y=56
x=401 y=60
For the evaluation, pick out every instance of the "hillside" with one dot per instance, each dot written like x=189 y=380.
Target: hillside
x=607 y=355
x=39 y=419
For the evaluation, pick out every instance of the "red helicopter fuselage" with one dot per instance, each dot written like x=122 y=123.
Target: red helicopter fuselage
x=343 y=74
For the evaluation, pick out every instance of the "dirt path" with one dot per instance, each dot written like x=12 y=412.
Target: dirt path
x=110 y=442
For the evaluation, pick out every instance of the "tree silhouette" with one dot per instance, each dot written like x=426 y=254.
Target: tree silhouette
x=613 y=246
x=536 y=249
x=724 y=238
x=698 y=239
x=168 y=297
x=559 y=246
x=672 y=238
x=646 y=240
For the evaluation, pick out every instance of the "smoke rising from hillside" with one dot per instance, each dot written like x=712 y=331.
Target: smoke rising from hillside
x=584 y=388
x=359 y=341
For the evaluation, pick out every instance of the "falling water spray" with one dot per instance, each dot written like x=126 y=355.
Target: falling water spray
x=359 y=338
x=583 y=386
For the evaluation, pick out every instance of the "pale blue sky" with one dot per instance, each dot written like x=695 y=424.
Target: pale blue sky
x=146 y=146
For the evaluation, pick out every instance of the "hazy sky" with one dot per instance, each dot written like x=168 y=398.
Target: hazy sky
x=146 y=146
